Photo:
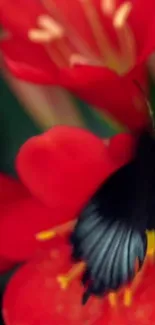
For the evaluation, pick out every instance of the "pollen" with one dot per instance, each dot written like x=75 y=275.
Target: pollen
x=63 y=281
x=150 y=243
x=112 y=297
x=57 y=231
x=66 y=279
x=127 y=297
x=45 y=235
x=122 y=14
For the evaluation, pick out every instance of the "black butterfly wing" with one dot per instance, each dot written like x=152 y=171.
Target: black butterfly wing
x=110 y=235
x=110 y=249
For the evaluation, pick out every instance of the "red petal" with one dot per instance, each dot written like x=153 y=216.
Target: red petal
x=121 y=148
x=34 y=297
x=11 y=192
x=20 y=223
x=32 y=62
x=40 y=300
x=11 y=189
x=5 y=265
x=127 y=104
x=64 y=167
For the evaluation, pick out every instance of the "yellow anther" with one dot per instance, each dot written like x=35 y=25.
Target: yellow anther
x=63 y=281
x=127 y=297
x=150 y=243
x=59 y=230
x=66 y=279
x=122 y=14
x=45 y=235
x=112 y=297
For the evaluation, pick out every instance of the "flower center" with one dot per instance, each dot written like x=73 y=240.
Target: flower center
x=78 y=269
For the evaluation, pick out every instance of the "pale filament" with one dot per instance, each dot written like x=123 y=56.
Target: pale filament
x=108 y=6
x=121 y=14
x=121 y=61
x=75 y=39
x=49 y=30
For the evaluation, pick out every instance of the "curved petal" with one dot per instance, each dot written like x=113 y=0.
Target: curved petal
x=40 y=300
x=94 y=85
x=91 y=38
x=5 y=265
x=122 y=147
x=107 y=52
x=63 y=167
x=39 y=297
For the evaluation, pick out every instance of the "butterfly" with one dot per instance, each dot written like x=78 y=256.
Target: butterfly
x=110 y=234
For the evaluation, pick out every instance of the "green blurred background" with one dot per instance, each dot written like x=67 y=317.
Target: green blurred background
x=16 y=126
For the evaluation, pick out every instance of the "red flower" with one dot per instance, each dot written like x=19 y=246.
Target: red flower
x=56 y=166
x=117 y=36
x=47 y=291
x=62 y=169
x=34 y=302
x=42 y=50
x=21 y=216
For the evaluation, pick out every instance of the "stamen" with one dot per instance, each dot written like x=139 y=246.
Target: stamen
x=125 y=36
x=55 y=56
x=128 y=297
x=57 y=32
x=138 y=279
x=76 y=271
x=75 y=39
x=49 y=24
x=41 y=36
x=122 y=14
x=65 y=50
x=112 y=297
x=108 y=6
x=123 y=60
x=48 y=30
x=150 y=244
x=95 y=24
x=128 y=294
x=57 y=231
x=77 y=59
